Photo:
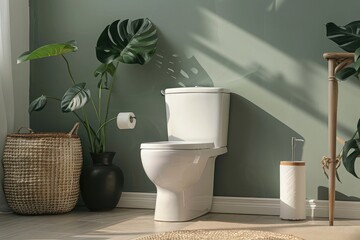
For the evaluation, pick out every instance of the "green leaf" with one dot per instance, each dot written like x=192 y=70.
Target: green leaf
x=349 y=159
x=75 y=98
x=127 y=42
x=347 y=37
x=103 y=83
x=105 y=68
x=337 y=176
x=358 y=143
x=357 y=65
x=345 y=73
x=48 y=51
x=349 y=163
x=103 y=71
x=357 y=54
x=357 y=60
x=357 y=74
x=358 y=127
x=38 y=104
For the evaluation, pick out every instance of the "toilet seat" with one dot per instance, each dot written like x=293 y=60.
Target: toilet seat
x=177 y=145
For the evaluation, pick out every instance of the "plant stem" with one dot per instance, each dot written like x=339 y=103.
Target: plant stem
x=73 y=80
x=85 y=122
x=100 y=103
x=96 y=112
x=68 y=68
x=55 y=98
x=354 y=134
x=104 y=124
x=80 y=119
x=87 y=130
x=110 y=92
x=108 y=102
x=87 y=125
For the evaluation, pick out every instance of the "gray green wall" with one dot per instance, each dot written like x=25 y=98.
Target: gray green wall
x=267 y=52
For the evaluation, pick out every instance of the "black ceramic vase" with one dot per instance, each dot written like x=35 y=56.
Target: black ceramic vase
x=101 y=184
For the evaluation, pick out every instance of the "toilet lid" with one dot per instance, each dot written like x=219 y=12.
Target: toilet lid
x=177 y=145
x=196 y=90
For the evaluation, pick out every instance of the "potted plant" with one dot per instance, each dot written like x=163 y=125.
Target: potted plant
x=130 y=42
x=348 y=38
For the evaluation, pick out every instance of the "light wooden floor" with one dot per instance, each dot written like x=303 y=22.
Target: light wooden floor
x=132 y=223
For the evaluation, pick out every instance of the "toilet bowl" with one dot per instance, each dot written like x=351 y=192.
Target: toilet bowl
x=183 y=175
x=182 y=168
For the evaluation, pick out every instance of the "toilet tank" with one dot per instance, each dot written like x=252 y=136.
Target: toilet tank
x=198 y=114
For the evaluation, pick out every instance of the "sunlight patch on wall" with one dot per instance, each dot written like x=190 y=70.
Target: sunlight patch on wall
x=275 y=5
x=261 y=73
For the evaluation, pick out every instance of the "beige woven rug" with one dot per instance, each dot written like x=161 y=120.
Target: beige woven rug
x=230 y=234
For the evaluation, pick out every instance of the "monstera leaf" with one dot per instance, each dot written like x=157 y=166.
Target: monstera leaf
x=349 y=159
x=347 y=37
x=103 y=71
x=75 y=98
x=357 y=60
x=127 y=42
x=351 y=151
x=48 y=51
x=38 y=104
x=345 y=73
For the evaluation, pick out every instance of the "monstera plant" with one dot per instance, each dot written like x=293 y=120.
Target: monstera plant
x=130 y=42
x=348 y=38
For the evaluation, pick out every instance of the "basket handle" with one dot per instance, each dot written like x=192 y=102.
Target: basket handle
x=29 y=129
x=74 y=130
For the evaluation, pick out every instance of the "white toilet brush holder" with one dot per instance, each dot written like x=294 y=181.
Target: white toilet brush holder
x=293 y=187
x=292 y=190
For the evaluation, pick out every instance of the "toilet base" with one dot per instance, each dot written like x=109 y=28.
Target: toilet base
x=178 y=207
x=192 y=202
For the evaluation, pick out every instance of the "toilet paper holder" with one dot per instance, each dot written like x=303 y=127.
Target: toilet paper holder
x=126 y=120
x=131 y=118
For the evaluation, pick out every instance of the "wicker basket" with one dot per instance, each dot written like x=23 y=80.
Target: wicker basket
x=42 y=171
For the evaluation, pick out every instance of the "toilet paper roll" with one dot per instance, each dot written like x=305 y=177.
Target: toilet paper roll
x=126 y=120
x=292 y=190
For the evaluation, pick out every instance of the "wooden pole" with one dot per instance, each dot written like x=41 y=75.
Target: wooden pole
x=336 y=61
x=332 y=121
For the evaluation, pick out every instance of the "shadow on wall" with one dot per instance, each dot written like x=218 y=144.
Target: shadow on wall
x=279 y=26
x=283 y=24
x=275 y=83
x=179 y=70
x=323 y=194
x=251 y=149
x=287 y=91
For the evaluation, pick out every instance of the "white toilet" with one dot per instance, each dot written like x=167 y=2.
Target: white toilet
x=183 y=167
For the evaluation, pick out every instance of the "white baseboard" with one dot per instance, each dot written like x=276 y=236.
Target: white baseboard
x=243 y=205
x=137 y=200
